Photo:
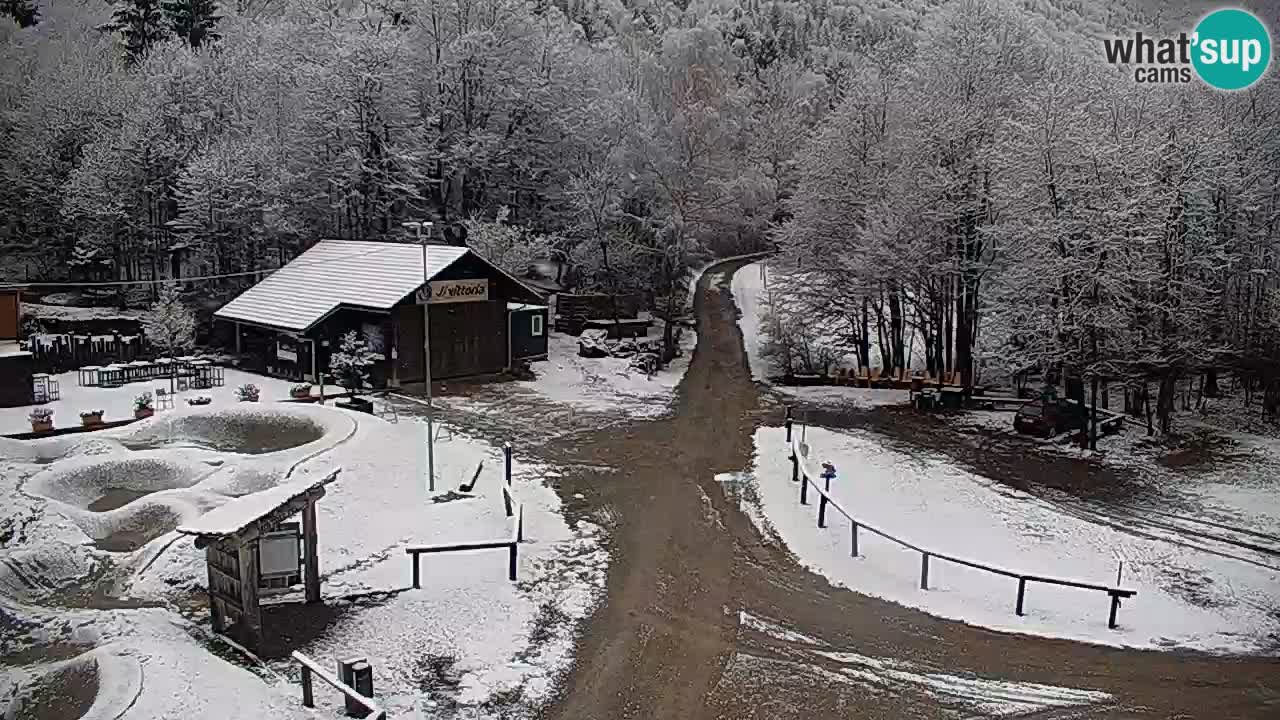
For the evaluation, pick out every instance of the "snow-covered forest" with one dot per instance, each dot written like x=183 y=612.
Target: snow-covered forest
x=969 y=176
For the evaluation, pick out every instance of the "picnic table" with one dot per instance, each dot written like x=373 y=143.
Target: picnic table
x=87 y=376
x=44 y=387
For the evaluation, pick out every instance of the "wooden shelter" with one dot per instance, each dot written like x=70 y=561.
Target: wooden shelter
x=234 y=537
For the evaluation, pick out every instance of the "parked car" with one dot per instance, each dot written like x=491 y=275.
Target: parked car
x=1045 y=418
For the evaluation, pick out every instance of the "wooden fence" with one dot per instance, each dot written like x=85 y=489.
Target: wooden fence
x=60 y=353
x=310 y=669
x=803 y=473
x=512 y=508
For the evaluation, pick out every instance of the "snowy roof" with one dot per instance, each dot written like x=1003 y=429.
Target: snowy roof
x=10 y=348
x=244 y=511
x=334 y=273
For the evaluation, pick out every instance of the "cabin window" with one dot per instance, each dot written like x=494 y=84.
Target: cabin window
x=536 y=327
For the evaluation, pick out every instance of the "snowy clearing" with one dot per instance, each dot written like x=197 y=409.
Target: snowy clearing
x=607 y=384
x=90 y=519
x=1187 y=597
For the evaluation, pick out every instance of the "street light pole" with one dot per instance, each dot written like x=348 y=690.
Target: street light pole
x=426 y=351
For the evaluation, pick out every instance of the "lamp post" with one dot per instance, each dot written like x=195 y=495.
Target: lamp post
x=426 y=350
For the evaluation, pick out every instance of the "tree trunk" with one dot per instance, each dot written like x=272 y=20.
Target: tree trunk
x=1165 y=399
x=1093 y=424
x=1209 y=386
x=896 y=332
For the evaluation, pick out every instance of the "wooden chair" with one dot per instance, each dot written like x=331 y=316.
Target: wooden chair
x=164 y=399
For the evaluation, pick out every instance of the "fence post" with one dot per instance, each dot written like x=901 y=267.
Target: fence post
x=417 y=583
x=788 y=423
x=1115 y=605
x=924 y=571
x=511 y=568
x=795 y=467
x=804 y=490
x=822 y=511
x=308 y=700
x=1022 y=591
x=506 y=452
x=855 y=538
x=520 y=525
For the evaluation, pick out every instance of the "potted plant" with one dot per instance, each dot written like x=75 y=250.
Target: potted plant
x=41 y=419
x=199 y=400
x=300 y=391
x=142 y=406
x=248 y=392
x=89 y=418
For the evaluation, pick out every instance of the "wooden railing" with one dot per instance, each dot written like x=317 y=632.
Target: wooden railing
x=803 y=474
x=512 y=509
x=310 y=668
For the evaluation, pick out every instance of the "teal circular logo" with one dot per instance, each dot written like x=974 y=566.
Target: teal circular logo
x=1231 y=49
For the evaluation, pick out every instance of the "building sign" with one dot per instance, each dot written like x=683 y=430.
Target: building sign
x=455 y=291
x=286 y=352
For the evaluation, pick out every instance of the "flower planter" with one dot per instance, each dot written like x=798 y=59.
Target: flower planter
x=41 y=426
x=299 y=395
x=143 y=413
x=357 y=404
x=91 y=420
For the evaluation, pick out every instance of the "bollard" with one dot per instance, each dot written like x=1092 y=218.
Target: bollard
x=855 y=538
x=362 y=683
x=1022 y=591
x=822 y=511
x=511 y=567
x=795 y=468
x=804 y=490
x=924 y=571
x=506 y=452
x=417 y=580
x=788 y=423
x=347 y=676
x=308 y=699
x=1115 y=605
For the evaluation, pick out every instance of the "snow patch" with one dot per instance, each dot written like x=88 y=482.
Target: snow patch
x=936 y=505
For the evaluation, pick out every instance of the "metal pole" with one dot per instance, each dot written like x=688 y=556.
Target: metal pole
x=315 y=375
x=426 y=360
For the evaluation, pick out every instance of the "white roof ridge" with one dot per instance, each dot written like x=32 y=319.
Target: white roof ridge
x=375 y=274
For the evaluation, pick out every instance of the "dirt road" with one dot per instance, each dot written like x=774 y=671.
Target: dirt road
x=667 y=642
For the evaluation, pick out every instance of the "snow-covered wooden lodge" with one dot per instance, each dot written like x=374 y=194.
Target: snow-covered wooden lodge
x=482 y=319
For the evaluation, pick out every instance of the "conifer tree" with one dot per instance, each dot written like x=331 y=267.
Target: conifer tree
x=193 y=20
x=23 y=12
x=141 y=24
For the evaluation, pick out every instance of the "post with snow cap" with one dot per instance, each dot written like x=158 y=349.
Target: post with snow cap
x=426 y=349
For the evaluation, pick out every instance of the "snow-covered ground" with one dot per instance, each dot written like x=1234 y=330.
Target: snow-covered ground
x=607 y=384
x=117 y=403
x=468 y=638
x=1188 y=597
x=752 y=296
x=964 y=695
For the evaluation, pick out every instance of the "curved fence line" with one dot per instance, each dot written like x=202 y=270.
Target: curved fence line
x=804 y=473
